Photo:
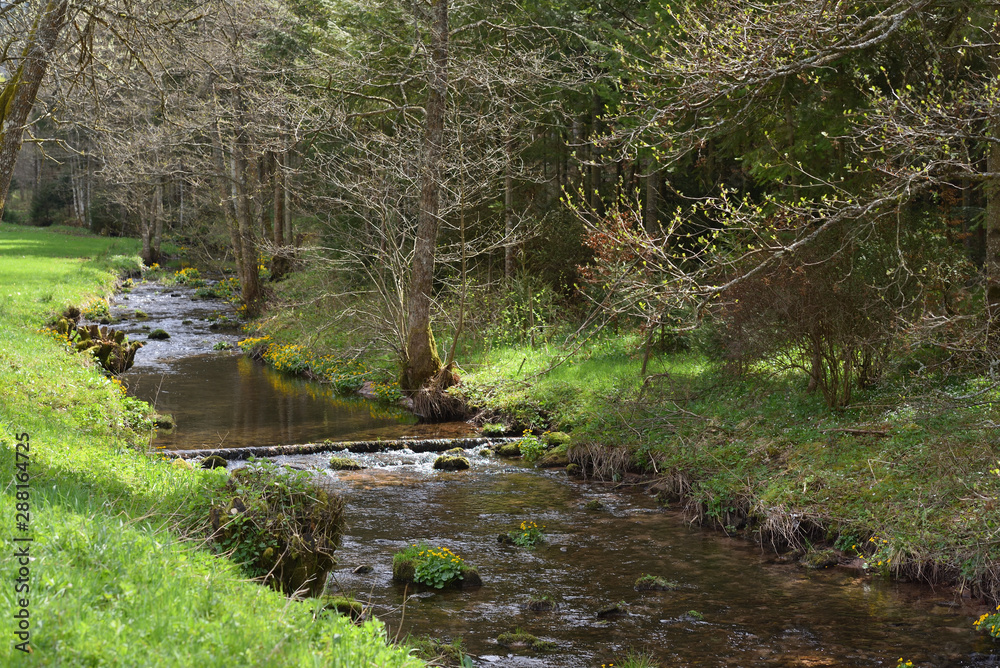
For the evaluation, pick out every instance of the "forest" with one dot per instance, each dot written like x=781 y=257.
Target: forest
x=748 y=252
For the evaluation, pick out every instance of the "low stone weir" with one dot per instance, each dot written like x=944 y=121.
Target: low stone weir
x=416 y=445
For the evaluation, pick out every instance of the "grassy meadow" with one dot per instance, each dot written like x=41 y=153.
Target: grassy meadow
x=119 y=572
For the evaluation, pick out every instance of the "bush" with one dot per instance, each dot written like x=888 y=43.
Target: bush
x=279 y=525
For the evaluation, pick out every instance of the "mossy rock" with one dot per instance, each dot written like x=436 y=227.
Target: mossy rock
x=593 y=504
x=214 y=462
x=818 y=559
x=541 y=604
x=449 y=463
x=493 y=429
x=470 y=578
x=554 y=458
x=344 y=464
x=509 y=450
x=654 y=583
x=158 y=335
x=454 y=452
x=440 y=652
x=613 y=610
x=140 y=315
x=164 y=422
x=182 y=464
x=574 y=469
x=403 y=569
x=342 y=605
x=555 y=439
x=519 y=639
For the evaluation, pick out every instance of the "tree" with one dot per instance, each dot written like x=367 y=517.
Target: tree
x=41 y=30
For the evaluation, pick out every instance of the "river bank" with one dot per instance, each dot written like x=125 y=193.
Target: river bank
x=113 y=577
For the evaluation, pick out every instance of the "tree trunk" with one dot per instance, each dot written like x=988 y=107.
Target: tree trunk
x=993 y=243
x=650 y=218
x=280 y=262
x=422 y=361
x=18 y=94
x=157 y=220
x=509 y=250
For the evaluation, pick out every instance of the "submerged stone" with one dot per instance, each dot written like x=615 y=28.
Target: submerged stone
x=541 y=604
x=613 y=610
x=655 y=583
x=523 y=640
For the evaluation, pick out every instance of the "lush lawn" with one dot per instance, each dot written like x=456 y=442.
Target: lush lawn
x=111 y=581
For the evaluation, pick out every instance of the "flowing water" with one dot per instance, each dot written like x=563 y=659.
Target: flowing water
x=733 y=605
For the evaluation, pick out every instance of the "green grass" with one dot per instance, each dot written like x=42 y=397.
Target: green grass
x=112 y=581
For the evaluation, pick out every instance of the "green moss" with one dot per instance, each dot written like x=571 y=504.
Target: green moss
x=520 y=639
x=214 y=462
x=817 y=559
x=438 y=652
x=342 y=605
x=654 y=583
x=449 y=463
x=158 y=335
x=509 y=450
x=493 y=429
x=344 y=464
x=556 y=439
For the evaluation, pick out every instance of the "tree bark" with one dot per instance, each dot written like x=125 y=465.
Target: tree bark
x=422 y=361
x=993 y=242
x=510 y=249
x=650 y=218
x=18 y=94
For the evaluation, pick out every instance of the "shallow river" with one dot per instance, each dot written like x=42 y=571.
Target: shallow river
x=733 y=606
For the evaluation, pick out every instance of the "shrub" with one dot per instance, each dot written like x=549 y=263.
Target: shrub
x=278 y=524
x=531 y=447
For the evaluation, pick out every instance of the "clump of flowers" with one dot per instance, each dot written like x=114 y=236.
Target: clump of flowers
x=989 y=623
x=189 y=276
x=389 y=391
x=435 y=567
x=880 y=559
x=528 y=535
x=254 y=347
x=531 y=446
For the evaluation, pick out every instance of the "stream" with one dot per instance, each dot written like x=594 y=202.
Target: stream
x=733 y=604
